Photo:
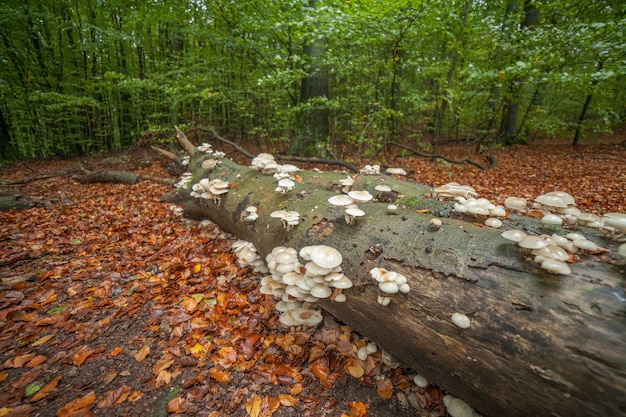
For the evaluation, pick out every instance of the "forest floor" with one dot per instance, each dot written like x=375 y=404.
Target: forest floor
x=110 y=305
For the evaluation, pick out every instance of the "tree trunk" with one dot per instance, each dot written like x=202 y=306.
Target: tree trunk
x=583 y=112
x=539 y=344
x=313 y=122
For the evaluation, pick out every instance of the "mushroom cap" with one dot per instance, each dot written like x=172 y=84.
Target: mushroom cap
x=478 y=210
x=289 y=168
x=551 y=200
x=325 y=256
x=278 y=214
x=355 y=211
x=553 y=252
x=552 y=219
x=388 y=287
x=286 y=183
x=321 y=291
x=493 y=222
x=459 y=408
x=622 y=249
x=395 y=171
x=340 y=200
x=360 y=195
x=383 y=275
x=585 y=244
x=515 y=203
x=314 y=269
x=497 y=211
x=532 y=242
x=383 y=188
x=616 y=220
x=420 y=381
x=342 y=283
x=461 y=320
x=555 y=266
x=569 y=200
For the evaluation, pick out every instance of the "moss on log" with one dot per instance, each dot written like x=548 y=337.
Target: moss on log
x=538 y=345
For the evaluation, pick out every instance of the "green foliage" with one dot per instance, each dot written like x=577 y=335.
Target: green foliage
x=83 y=77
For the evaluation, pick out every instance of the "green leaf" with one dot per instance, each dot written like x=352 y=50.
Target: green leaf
x=57 y=309
x=32 y=388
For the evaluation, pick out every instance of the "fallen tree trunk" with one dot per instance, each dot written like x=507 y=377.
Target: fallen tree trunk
x=538 y=345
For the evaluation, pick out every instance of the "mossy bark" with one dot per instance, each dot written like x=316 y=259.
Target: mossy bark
x=538 y=345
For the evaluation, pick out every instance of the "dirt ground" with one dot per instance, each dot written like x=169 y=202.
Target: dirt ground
x=110 y=305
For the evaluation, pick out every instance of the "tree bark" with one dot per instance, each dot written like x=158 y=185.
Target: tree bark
x=539 y=344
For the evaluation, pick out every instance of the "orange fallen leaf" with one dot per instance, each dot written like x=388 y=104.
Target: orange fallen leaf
x=114 y=397
x=142 y=353
x=45 y=390
x=19 y=361
x=357 y=409
x=422 y=211
x=219 y=375
x=162 y=364
x=77 y=406
x=81 y=354
x=135 y=396
x=197 y=268
x=39 y=359
x=321 y=371
x=116 y=351
x=296 y=389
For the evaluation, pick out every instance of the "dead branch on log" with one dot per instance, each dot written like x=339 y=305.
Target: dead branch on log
x=492 y=159
x=166 y=154
x=115 y=177
x=318 y=161
x=184 y=142
x=214 y=134
x=22 y=202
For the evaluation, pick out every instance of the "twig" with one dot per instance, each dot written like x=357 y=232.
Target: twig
x=492 y=159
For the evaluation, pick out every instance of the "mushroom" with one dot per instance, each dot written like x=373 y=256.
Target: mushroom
x=395 y=171
x=516 y=203
x=384 y=301
x=325 y=256
x=461 y=320
x=420 y=381
x=340 y=200
x=435 y=223
x=360 y=196
x=285 y=185
x=555 y=266
x=532 y=242
x=351 y=213
x=459 y=408
x=493 y=222
x=347 y=184
x=552 y=219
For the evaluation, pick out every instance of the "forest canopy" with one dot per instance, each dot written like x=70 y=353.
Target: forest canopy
x=87 y=76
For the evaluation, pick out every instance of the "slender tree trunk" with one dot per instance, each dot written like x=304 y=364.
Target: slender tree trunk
x=314 y=126
x=511 y=109
x=583 y=112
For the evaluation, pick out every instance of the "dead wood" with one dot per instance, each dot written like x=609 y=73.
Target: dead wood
x=539 y=344
x=22 y=202
x=115 y=177
x=345 y=164
x=491 y=158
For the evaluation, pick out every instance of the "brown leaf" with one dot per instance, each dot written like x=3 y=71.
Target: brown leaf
x=219 y=375
x=42 y=340
x=77 y=406
x=177 y=405
x=114 y=397
x=142 y=353
x=384 y=388
x=354 y=367
x=321 y=371
x=286 y=400
x=39 y=359
x=81 y=354
x=23 y=410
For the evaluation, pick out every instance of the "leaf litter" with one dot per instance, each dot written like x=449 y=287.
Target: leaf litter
x=112 y=306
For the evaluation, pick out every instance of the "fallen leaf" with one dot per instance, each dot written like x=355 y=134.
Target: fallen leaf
x=46 y=389
x=42 y=340
x=77 y=406
x=142 y=353
x=357 y=409
x=177 y=405
x=19 y=360
x=384 y=388
x=286 y=400
x=354 y=367
x=113 y=397
x=253 y=405
x=81 y=354
x=116 y=351
x=219 y=375
x=37 y=360
x=321 y=371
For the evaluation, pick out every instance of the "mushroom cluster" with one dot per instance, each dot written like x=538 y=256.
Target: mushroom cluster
x=205 y=147
x=248 y=256
x=289 y=218
x=349 y=203
x=265 y=163
x=300 y=284
x=454 y=189
x=184 y=181
x=210 y=189
x=364 y=351
x=395 y=171
x=389 y=282
x=370 y=170
x=250 y=214
x=552 y=252
x=468 y=203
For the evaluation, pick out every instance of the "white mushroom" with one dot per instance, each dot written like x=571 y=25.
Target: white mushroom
x=360 y=196
x=461 y=320
x=351 y=214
